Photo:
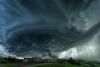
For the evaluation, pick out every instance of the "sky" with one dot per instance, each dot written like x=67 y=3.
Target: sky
x=49 y=28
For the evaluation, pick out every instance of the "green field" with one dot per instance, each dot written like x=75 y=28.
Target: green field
x=46 y=65
x=9 y=65
x=56 y=65
x=39 y=65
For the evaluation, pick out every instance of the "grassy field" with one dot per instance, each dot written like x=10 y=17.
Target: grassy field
x=9 y=65
x=39 y=65
x=56 y=65
x=48 y=65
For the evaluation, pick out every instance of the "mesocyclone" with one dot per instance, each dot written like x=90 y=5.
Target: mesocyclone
x=42 y=27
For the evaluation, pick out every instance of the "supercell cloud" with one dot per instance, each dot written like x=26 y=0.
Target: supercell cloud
x=53 y=28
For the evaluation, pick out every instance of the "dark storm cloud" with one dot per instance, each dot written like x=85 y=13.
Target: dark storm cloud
x=54 y=18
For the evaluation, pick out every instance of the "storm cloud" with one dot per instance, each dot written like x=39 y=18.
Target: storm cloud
x=47 y=27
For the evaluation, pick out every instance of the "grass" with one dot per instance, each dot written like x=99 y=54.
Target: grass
x=9 y=65
x=48 y=65
x=40 y=65
x=56 y=65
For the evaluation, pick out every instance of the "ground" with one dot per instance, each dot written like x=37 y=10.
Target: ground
x=82 y=64
x=39 y=65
